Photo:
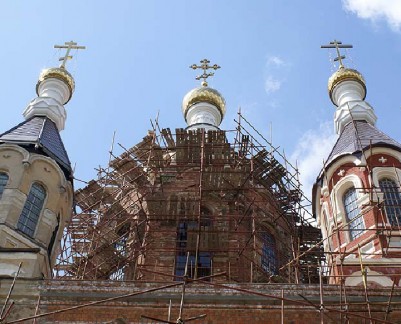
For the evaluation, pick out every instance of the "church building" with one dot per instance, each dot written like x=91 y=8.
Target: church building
x=200 y=224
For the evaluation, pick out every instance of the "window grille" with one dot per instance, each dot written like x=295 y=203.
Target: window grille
x=269 y=259
x=3 y=182
x=186 y=233
x=120 y=244
x=118 y=274
x=392 y=201
x=30 y=213
x=353 y=214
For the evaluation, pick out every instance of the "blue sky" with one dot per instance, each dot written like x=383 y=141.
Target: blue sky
x=138 y=53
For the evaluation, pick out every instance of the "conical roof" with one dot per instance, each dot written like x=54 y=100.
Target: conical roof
x=40 y=133
x=358 y=136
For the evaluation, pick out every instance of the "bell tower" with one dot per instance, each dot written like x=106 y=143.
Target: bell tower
x=356 y=197
x=36 y=182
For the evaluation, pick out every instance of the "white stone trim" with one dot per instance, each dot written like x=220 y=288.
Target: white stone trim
x=325 y=225
x=385 y=172
x=379 y=173
x=383 y=150
x=349 y=96
x=338 y=192
x=344 y=160
x=356 y=278
x=52 y=94
x=351 y=111
x=346 y=91
x=203 y=115
x=372 y=262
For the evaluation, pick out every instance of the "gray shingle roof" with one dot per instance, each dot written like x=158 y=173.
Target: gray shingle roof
x=357 y=136
x=42 y=133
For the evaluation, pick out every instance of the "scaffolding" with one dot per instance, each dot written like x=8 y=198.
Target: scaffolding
x=232 y=205
x=236 y=205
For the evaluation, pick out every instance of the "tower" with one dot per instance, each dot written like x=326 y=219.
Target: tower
x=36 y=189
x=356 y=197
x=217 y=203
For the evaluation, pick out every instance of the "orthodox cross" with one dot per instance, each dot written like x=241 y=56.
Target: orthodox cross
x=69 y=46
x=204 y=66
x=337 y=45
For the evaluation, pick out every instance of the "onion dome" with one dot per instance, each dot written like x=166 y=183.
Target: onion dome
x=57 y=73
x=345 y=74
x=204 y=94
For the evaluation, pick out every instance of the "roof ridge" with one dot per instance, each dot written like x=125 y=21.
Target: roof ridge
x=353 y=139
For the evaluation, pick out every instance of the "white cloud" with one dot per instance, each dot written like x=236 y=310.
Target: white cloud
x=275 y=71
x=272 y=84
x=374 y=10
x=275 y=60
x=313 y=147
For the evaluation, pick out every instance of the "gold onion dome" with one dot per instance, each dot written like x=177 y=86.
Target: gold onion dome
x=204 y=94
x=345 y=74
x=57 y=73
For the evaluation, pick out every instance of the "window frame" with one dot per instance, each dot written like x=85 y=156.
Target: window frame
x=268 y=258
x=378 y=174
x=337 y=193
x=32 y=208
x=185 y=228
x=7 y=179
x=357 y=219
x=396 y=196
x=120 y=245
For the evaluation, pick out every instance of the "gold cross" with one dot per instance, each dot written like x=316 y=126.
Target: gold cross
x=337 y=45
x=69 y=46
x=204 y=66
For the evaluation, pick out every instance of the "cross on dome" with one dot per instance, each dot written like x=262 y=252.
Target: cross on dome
x=204 y=66
x=69 y=46
x=337 y=45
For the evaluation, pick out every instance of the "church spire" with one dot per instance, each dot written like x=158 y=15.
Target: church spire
x=54 y=89
x=347 y=90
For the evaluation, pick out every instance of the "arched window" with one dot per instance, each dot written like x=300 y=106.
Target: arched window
x=269 y=259
x=3 y=182
x=353 y=214
x=120 y=244
x=187 y=232
x=33 y=206
x=392 y=201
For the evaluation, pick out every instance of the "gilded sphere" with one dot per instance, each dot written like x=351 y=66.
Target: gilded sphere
x=57 y=73
x=345 y=74
x=204 y=94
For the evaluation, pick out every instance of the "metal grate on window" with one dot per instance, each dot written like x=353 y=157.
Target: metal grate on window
x=120 y=245
x=353 y=214
x=3 y=182
x=185 y=232
x=392 y=201
x=31 y=211
x=269 y=260
x=118 y=274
